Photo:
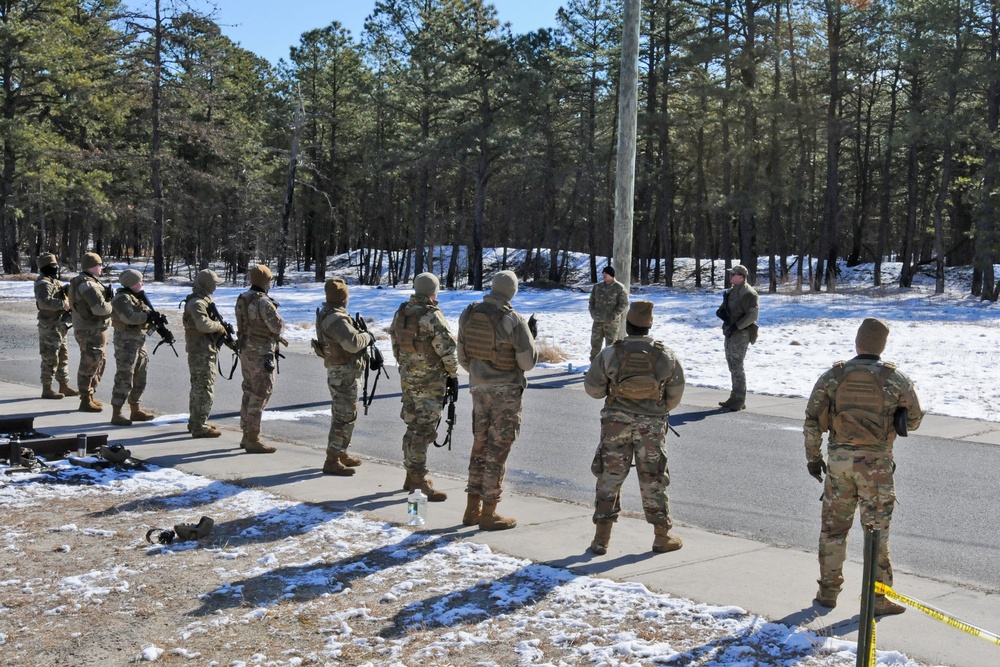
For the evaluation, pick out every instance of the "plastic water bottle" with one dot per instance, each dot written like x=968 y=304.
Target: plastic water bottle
x=416 y=508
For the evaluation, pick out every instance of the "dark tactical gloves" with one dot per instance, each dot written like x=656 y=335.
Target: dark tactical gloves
x=817 y=469
x=533 y=326
x=109 y=293
x=451 y=388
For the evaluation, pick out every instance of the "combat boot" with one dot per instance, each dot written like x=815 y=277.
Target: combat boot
x=252 y=444
x=602 y=537
x=335 y=466
x=490 y=520
x=67 y=390
x=886 y=607
x=137 y=414
x=826 y=597
x=420 y=481
x=663 y=541
x=88 y=404
x=48 y=393
x=206 y=431
x=348 y=460
x=117 y=418
x=473 y=510
x=733 y=405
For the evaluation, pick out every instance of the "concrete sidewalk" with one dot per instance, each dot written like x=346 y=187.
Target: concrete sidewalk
x=716 y=569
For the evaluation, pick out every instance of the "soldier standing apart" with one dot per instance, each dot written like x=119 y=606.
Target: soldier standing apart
x=130 y=320
x=496 y=348
x=260 y=329
x=343 y=347
x=608 y=300
x=739 y=325
x=91 y=302
x=53 y=311
x=641 y=381
x=428 y=369
x=857 y=402
x=201 y=340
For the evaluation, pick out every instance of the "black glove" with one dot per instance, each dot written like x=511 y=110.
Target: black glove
x=451 y=387
x=533 y=326
x=816 y=469
x=109 y=293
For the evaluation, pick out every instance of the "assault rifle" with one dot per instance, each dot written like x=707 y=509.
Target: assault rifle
x=450 y=398
x=67 y=315
x=159 y=322
x=374 y=361
x=227 y=338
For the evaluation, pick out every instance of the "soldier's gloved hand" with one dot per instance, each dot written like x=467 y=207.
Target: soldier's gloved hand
x=451 y=386
x=817 y=469
x=109 y=293
x=533 y=326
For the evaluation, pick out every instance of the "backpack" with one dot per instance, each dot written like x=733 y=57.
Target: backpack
x=481 y=336
x=858 y=404
x=636 y=379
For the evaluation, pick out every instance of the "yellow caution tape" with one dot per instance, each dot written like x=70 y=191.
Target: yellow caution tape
x=882 y=589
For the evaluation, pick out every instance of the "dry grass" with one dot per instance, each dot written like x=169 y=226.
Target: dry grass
x=549 y=352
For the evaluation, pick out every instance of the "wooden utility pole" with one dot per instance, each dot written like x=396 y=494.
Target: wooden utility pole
x=628 y=95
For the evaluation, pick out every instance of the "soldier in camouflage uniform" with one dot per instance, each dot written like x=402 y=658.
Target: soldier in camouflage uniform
x=130 y=319
x=857 y=402
x=343 y=347
x=53 y=313
x=496 y=347
x=260 y=329
x=201 y=340
x=641 y=381
x=742 y=306
x=91 y=303
x=608 y=300
x=428 y=369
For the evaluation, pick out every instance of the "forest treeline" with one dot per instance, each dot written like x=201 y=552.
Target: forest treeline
x=863 y=131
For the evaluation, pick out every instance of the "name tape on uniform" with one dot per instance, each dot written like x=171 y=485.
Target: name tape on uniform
x=968 y=628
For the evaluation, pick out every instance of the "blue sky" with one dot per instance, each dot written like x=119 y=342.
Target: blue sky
x=268 y=28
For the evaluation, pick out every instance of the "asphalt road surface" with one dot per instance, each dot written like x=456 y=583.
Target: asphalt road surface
x=741 y=474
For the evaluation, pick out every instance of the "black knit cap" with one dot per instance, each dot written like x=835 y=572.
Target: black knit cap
x=610 y=270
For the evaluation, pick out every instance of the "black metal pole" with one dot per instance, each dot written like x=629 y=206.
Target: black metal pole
x=866 y=622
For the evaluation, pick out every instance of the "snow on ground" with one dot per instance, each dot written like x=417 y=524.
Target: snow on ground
x=437 y=598
x=947 y=343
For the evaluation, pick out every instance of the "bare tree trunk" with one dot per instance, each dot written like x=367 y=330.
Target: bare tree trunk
x=155 y=146
x=286 y=212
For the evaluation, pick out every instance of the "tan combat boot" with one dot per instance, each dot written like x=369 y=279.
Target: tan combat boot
x=348 y=460
x=88 y=404
x=137 y=414
x=602 y=537
x=206 y=431
x=334 y=465
x=117 y=418
x=473 y=510
x=490 y=520
x=664 y=542
x=48 y=393
x=252 y=444
x=67 y=390
x=420 y=481
x=826 y=597
x=886 y=607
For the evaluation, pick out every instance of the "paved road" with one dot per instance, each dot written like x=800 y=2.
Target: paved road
x=740 y=474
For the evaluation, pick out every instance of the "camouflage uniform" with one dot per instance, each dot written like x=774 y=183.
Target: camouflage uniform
x=50 y=298
x=496 y=386
x=633 y=427
x=343 y=348
x=260 y=328
x=130 y=320
x=91 y=314
x=743 y=307
x=859 y=469
x=423 y=367
x=607 y=304
x=201 y=336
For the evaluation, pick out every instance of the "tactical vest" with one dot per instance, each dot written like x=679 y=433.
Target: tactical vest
x=333 y=353
x=254 y=330
x=481 y=336
x=858 y=414
x=405 y=330
x=120 y=325
x=78 y=303
x=636 y=380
